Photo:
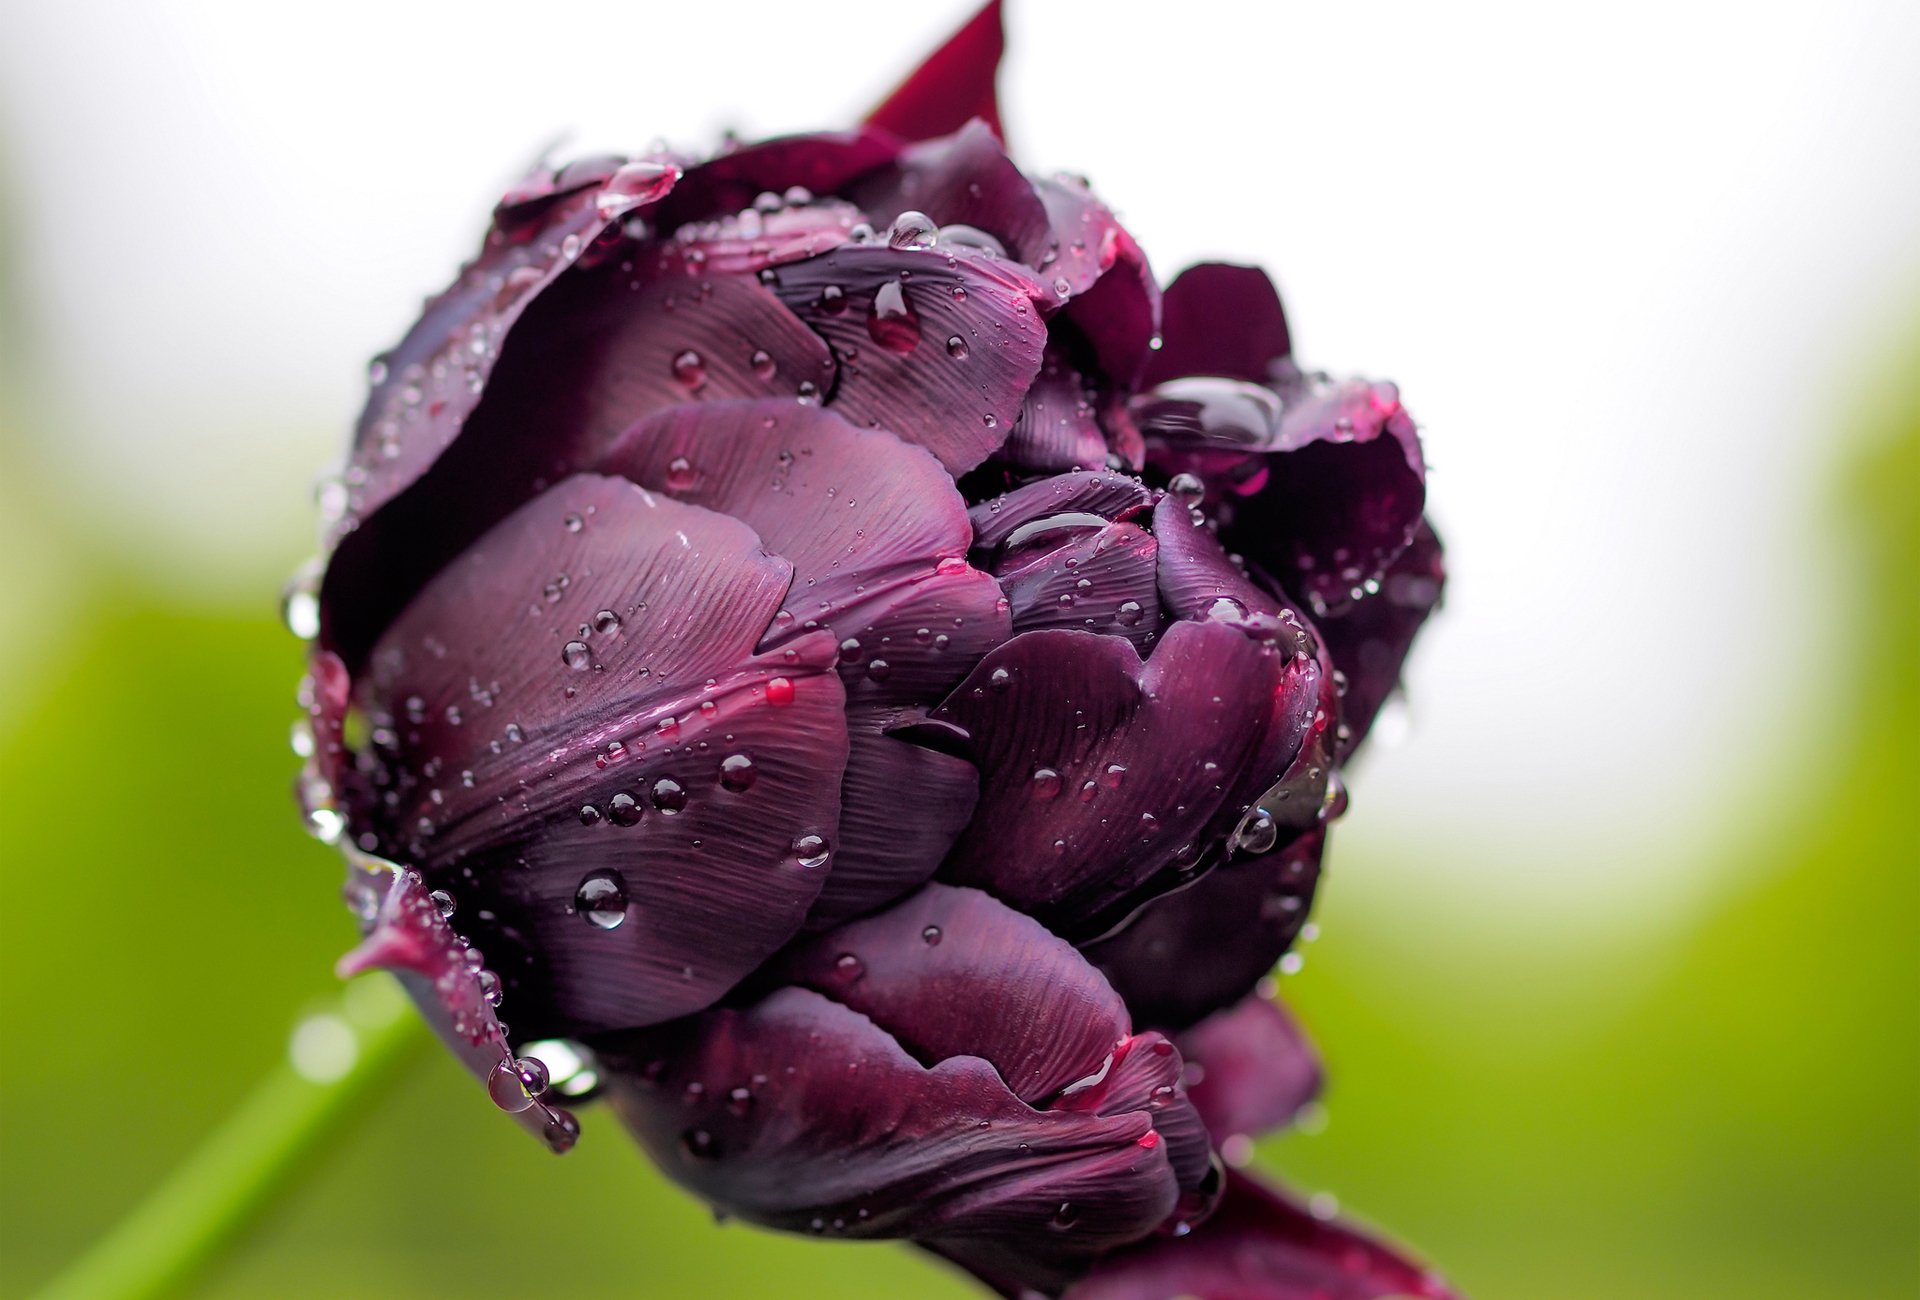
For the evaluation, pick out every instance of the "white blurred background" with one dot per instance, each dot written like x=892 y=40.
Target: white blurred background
x=1628 y=262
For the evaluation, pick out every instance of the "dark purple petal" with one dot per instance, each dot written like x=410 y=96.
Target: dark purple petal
x=407 y=933
x=1222 y=935
x=952 y=972
x=1057 y=429
x=598 y=351
x=1098 y=579
x=1099 y=771
x=961 y=179
x=1220 y=319
x=1255 y=1069
x=751 y=240
x=424 y=389
x=1087 y=492
x=954 y=84
x=1094 y=263
x=1369 y=639
x=1145 y=1072
x=1261 y=1246
x=823 y=163
x=800 y=1113
x=892 y=317
x=877 y=537
x=1324 y=497
x=561 y=706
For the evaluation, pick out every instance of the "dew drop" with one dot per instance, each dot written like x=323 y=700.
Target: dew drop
x=810 y=851
x=957 y=348
x=1187 y=489
x=762 y=363
x=669 y=796
x=779 y=691
x=737 y=773
x=1128 y=614
x=602 y=899
x=913 y=230
x=849 y=967
x=1046 y=783
x=931 y=936
x=623 y=809
x=577 y=656
x=832 y=300
x=442 y=902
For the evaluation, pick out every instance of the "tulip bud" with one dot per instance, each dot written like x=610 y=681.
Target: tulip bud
x=790 y=640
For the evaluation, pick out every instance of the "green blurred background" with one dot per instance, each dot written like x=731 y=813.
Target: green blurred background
x=1718 y=1096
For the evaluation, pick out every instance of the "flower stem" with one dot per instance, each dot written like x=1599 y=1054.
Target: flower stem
x=269 y=1140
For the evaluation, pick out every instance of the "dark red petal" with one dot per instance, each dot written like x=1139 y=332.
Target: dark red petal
x=750 y=240
x=877 y=536
x=1098 y=579
x=1099 y=771
x=1256 y=1069
x=961 y=179
x=1323 y=498
x=1369 y=639
x=406 y=932
x=824 y=163
x=952 y=972
x=1092 y=492
x=954 y=84
x=560 y=703
x=1145 y=1072
x=892 y=315
x=800 y=1113
x=1223 y=934
x=1220 y=319
x=424 y=389
x=1057 y=429
x=1261 y=1246
x=598 y=351
x=1114 y=299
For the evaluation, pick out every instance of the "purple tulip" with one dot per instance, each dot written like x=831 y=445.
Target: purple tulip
x=794 y=636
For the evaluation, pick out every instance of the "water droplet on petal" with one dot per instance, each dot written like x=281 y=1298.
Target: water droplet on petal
x=577 y=656
x=737 y=773
x=810 y=851
x=602 y=899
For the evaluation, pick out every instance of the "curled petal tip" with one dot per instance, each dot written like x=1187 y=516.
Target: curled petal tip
x=953 y=85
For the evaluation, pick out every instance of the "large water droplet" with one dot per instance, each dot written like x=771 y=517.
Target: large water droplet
x=602 y=899
x=669 y=796
x=913 y=230
x=893 y=324
x=810 y=851
x=690 y=369
x=737 y=773
x=577 y=656
x=1046 y=783
x=623 y=809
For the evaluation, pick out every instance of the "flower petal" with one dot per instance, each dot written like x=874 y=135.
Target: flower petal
x=955 y=83
x=822 y=163
x=1321 y=488
x=961 y=179
x=1100 y=579
x=799 y=1113
x=1223 y=934
x=1369 y=639
x=876 y=534
x=1093 y=492
x=1261 y=1246
x=407 y=933
x=1098 y=771
x=598 y=351
x=1220 y=319
x=1256 y=1068
x=1057 y=429
x=559 y=713
x=1113 y=299
x=892 y=315
x=952 y=972
x=424 y=389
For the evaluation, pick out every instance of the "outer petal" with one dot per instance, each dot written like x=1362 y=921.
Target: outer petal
x=799 y=1113
x=1370 y=638
x=1220 y=319
x=1256 y=1069
x=827 y=162
x=876 y=534
x=1221 y=935
x=962 y=179
x=1093 y=261
x=556 y=707
x=1099 y=578
x=424 y=389
x=407 y=933
x=1098 y=771
x=891 y=316
x=1057 y=429
x=1261 y=1246
x=954 y=84
x=1086 y=492
x=599 y=350
x=953 y=972
x=1322 y=488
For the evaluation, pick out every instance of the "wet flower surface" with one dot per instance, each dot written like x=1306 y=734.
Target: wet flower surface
x=819 y=642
